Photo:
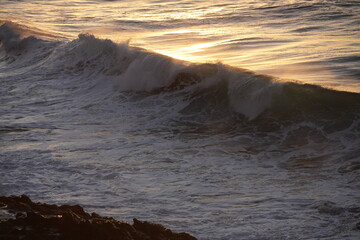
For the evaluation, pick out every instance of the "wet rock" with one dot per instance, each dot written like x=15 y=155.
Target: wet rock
x=44 y=221
x=157 y=231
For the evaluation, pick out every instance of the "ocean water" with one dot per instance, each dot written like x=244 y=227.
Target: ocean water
x=223 y=119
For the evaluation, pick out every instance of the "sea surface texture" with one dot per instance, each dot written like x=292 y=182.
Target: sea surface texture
x=223 y=119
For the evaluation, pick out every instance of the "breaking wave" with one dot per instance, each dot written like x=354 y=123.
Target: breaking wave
x=226 y=89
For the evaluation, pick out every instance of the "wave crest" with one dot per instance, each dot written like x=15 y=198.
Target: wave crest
x=204 y=86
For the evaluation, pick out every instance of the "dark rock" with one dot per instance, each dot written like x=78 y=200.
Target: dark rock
x=159 y=232
x=45 y=221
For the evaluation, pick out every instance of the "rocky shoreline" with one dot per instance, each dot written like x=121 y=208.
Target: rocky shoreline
x=20 y=218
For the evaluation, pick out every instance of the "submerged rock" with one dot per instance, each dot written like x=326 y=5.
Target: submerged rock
x=20 y=218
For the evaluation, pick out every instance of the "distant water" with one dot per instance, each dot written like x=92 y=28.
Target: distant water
x=208 y=117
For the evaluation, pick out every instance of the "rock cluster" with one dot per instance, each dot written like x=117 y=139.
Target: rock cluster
x=20 y=218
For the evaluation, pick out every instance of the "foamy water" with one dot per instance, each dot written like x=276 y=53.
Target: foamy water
x=218 y=151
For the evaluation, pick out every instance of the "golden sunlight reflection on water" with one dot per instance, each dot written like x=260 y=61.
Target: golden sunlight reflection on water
x=235 y=33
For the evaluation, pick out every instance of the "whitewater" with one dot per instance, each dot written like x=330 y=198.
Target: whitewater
x=227 y=120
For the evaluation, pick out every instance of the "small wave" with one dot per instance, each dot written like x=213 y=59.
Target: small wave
x=307 y=29
x=12 y=37
x=15 y=36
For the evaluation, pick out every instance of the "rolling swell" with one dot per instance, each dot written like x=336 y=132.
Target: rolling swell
x=212 y=91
